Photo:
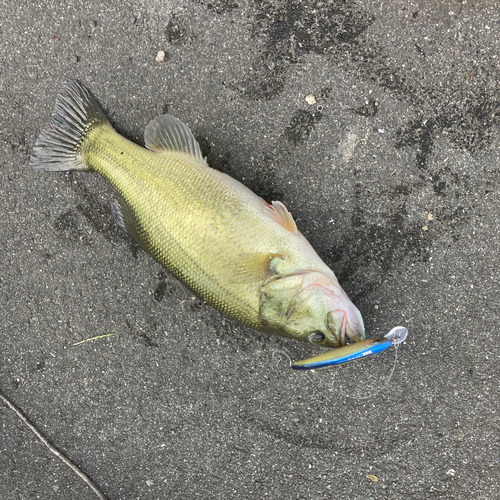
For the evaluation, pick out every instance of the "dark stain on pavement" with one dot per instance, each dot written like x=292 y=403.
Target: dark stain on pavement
x=66 y=226
x=370 y=108
x=467 y=112
x=301 y=125
x=177 y=31
x=146 y=338
x=292 y=29
x=369 y=250
x=336 y=29
x=219 y=6
x=418 y=133
x=161 y=287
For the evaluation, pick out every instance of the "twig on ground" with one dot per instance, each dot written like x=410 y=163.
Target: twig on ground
x=94 y=338
x=51 y=448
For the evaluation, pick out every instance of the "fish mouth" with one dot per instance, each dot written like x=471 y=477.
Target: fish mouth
x=355 y=327
x=340 y=327
x=336 y=323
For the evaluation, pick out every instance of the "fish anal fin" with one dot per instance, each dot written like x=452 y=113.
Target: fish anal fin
x=167 y=133
x=253 y=268
x=281 y=215
x=126 y=219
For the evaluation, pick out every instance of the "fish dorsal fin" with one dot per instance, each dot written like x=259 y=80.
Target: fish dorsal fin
x=167 y=133
x=126 y=219
x=282 y=216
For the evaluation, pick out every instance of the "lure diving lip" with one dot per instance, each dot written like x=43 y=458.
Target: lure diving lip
x=354 y=351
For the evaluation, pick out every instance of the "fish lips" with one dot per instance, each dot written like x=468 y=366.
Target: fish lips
x=346 y=327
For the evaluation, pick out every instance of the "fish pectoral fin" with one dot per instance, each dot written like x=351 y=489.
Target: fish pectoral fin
x=280 y=214
x=252 y=268
x=126 y=219
x=167 y=133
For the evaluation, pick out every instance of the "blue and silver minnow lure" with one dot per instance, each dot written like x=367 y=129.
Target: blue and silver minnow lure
x=354 y=351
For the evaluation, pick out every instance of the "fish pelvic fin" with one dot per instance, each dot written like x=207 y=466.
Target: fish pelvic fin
x=167 y=133
x=76 y=113
x=125 y=218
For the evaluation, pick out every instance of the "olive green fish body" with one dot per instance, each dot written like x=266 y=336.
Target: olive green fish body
x=201 y=224
x=238 y=253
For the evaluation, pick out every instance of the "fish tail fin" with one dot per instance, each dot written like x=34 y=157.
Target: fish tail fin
x=76 y=113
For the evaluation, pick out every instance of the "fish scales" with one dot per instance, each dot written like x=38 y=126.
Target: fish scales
x=238 y=253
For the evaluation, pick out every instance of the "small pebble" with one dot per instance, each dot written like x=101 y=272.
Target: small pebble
x=310 y=99
x=160 y=57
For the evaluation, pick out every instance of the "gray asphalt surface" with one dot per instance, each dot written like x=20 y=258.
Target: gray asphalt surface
x=393 y=175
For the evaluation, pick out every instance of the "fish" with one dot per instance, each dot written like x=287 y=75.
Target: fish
x=238 y=253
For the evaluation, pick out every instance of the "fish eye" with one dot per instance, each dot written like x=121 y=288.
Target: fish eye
x=319 y=337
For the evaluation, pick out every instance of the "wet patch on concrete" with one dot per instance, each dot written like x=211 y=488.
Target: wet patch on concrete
x=161 y=287
x=369 y=250
x=66 y=226
x=219 y=6
x=301 y=125
x=148 y=338
x=370 y=108
x=290 y=30
x=177 y=31
x=469 y=129
x=337 y=29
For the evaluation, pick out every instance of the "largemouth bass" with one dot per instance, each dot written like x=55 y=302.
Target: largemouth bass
x=240 y=254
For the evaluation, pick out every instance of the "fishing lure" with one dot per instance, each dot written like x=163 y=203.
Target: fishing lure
x=354 y=351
